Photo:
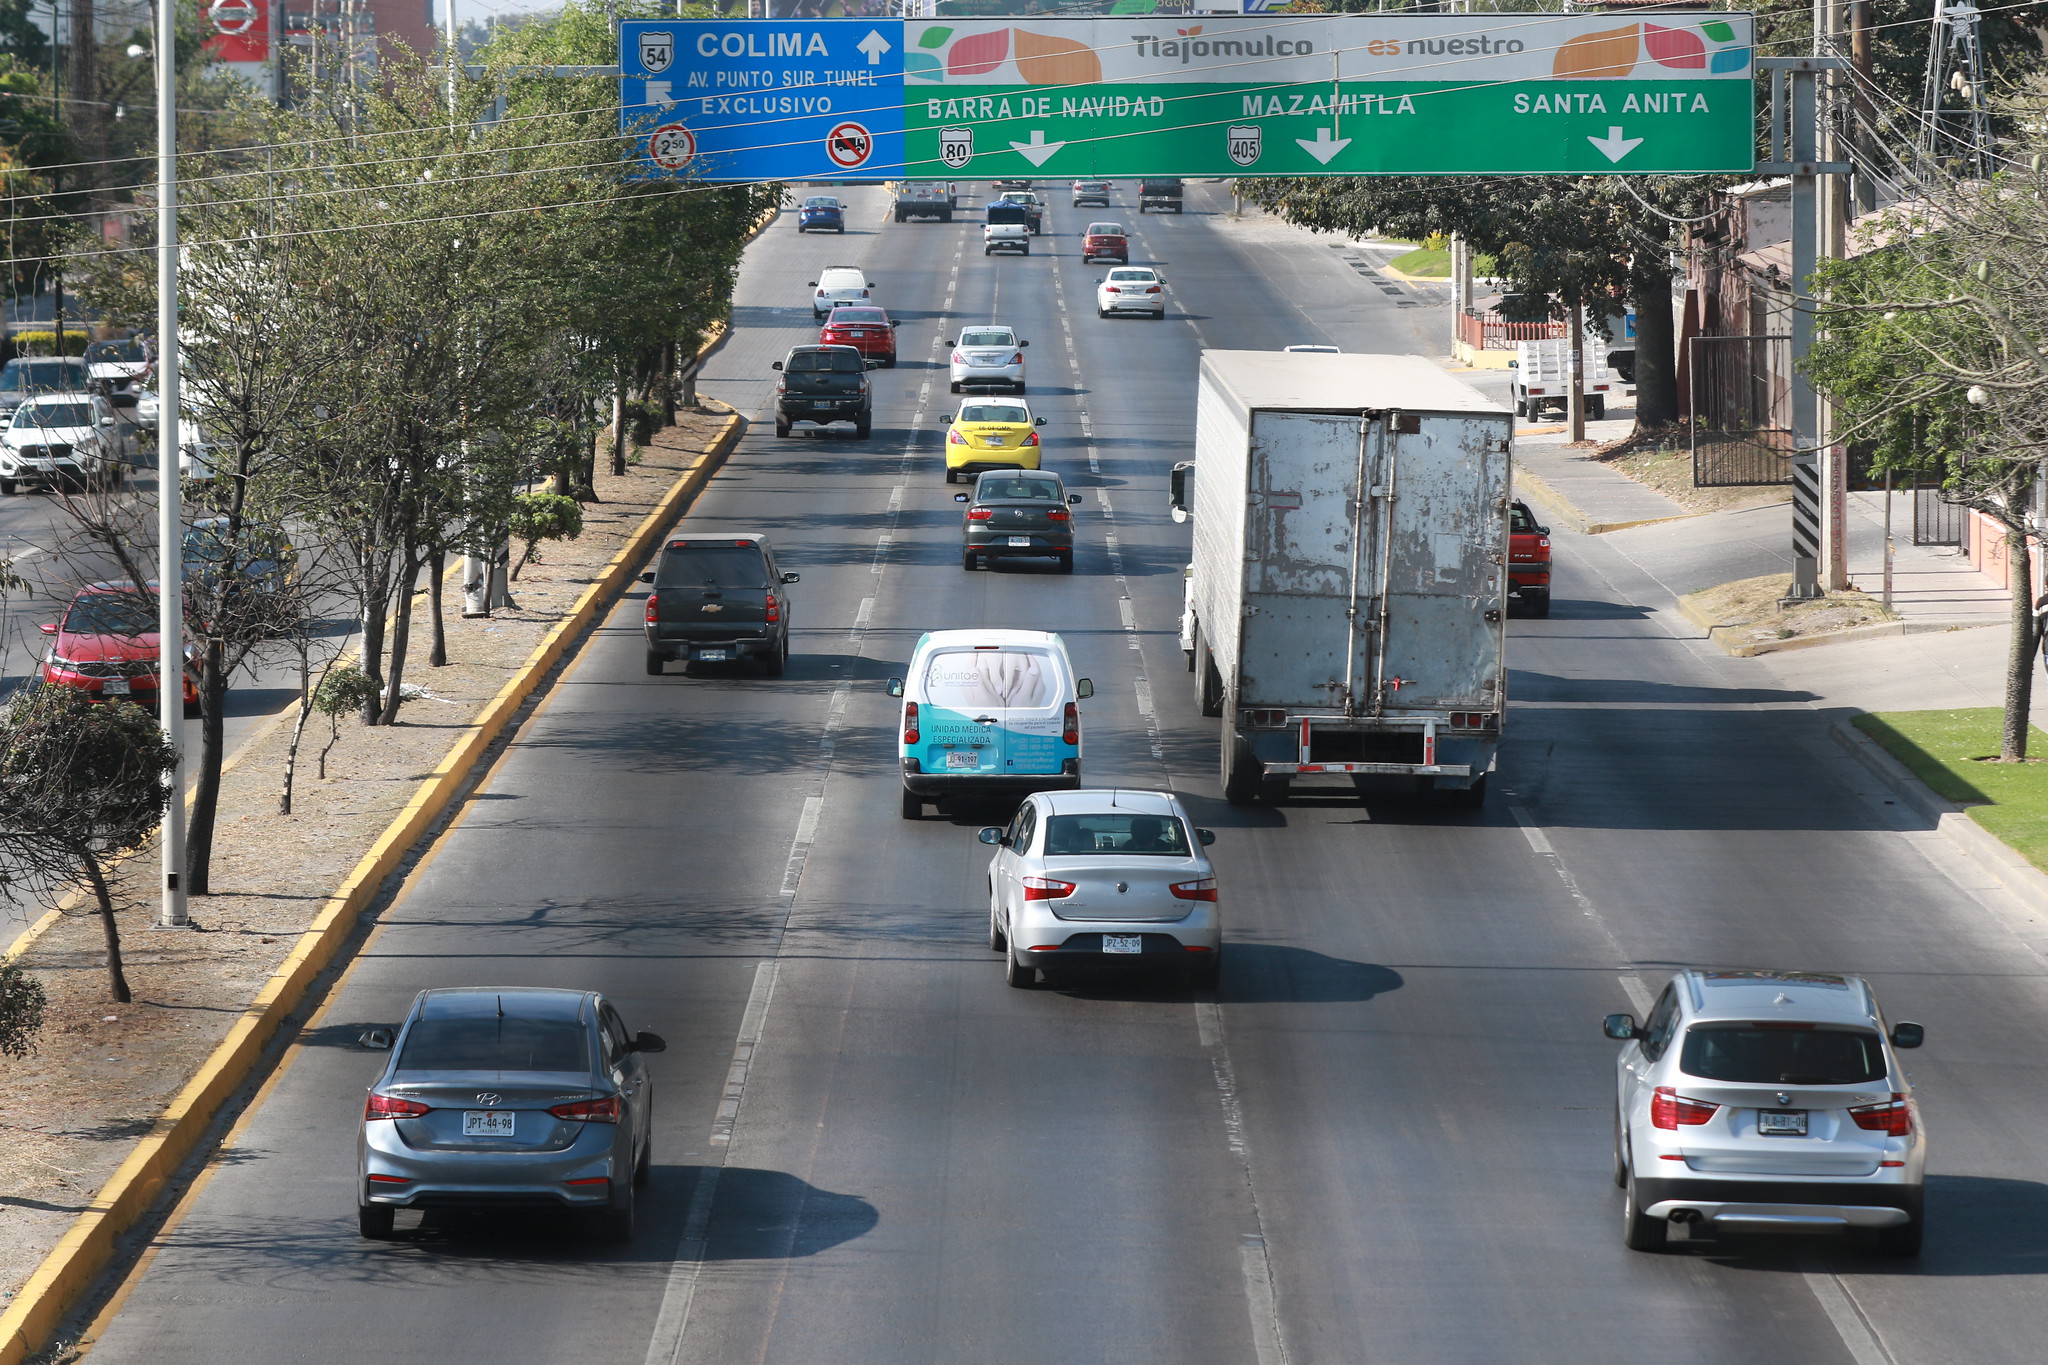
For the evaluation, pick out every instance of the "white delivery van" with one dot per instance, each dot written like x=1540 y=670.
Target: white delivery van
x=988 y=713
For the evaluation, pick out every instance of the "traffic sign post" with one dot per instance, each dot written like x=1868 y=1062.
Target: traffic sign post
x=1355 y=94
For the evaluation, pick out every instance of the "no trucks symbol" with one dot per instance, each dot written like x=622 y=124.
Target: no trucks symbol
x=849 y=145
x=672 y=147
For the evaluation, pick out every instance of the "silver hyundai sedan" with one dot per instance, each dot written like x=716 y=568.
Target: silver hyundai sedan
x=1103 y=879
x=988 y=358
x=500 y=1097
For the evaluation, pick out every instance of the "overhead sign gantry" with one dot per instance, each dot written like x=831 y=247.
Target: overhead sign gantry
x=1215 y=95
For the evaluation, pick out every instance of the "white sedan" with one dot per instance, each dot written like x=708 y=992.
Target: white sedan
x=1131 y=289
x=1103 y=879
x=989 y=357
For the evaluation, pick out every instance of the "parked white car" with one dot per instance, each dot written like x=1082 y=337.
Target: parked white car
x=1131 y=289
x=988 y=357
x=1762 y=1102
x=1103 y=878
x=63 y=439
x=837 y=284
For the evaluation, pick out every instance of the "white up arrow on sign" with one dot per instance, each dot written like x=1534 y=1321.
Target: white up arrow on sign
x=1037 y=151
x=657 y=93
x=1614 y=146
x=874 y=45
x=1324 y=147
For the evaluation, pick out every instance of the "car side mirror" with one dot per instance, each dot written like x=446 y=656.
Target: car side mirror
x=814 y=284
x=792 y=578
x=1514 y=364
x=945 y=419
x=1206 y=837
x=895 y=687
x=1543 y=530
x=894 y=325
x=991 y=835
x=959 y=497
x=1621 y=1028
x=48 y=627
x=776 y=366
x=649 y=1042
x=647 y=578
x=1908 y=1035
x=106 y=421
x=1022 y=344
x=1073 y=499
x=1084 y=689
x=376 y=1039
x=1038 y=422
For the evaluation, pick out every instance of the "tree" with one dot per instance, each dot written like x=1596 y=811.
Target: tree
x=22 y=1003
x=1934 y=350
x=79 y=782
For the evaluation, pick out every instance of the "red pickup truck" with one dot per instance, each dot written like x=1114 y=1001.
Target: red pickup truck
x=1528 y=562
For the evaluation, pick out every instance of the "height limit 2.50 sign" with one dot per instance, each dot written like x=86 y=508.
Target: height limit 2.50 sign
x=1357 y=94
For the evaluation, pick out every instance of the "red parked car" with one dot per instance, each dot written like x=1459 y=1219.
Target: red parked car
x=865 y=328
x=106 y=646
x=1528 y=561
x=1106 y=242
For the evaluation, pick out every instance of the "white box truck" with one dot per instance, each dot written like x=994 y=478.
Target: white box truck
x=1346 y=602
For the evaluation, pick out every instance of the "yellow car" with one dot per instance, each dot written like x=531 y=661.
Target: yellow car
x=991 y=433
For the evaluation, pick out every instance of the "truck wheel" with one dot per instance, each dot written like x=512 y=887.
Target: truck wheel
x=8 y=486
x=861 y=430
x=1240 y=770
x=1273 y=791
x=776 y=662
x=1208 y=681
x=781 y=427
x=1536 y=601
x=1596 y=409
x=946 y=217
x=656 y=665
x=1521 y=407
x=913 y=805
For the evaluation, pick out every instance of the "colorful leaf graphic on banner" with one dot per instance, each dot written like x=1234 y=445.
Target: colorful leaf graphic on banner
x=1730 y=59
x=1679 y=47
x=935 y=37
x=1056 y=61
x=977 y=54
x=922 y=66
x=1612 y=53
x=1720 y=30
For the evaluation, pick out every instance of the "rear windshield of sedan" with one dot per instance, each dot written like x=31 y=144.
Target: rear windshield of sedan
x=1045 y=490
x=988 y=337
x=1772 y=1054
x=114 y=351
x=824 y=362
x=1105 y=229
x=962 y=679
x=54 y=415
x=1157 y=835
x=42 y=376
x=106 y=613
x=821 y=202
x=840 y=315
x=494 y=1044
x=992 y=412
x=726 y=566
x=1140 y=276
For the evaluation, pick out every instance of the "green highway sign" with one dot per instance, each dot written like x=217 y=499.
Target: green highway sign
x=1200 y=96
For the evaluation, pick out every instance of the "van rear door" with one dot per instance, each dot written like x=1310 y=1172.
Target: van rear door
x=992 y=711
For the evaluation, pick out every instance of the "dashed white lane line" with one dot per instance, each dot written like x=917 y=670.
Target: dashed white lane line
x=800 y=846
x=1269 y=1344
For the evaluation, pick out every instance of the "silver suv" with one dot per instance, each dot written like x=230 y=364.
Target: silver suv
x=1766 y=1102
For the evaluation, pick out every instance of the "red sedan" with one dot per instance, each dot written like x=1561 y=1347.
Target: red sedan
x=865 y=328
x=106 y=646
x=1106 y=242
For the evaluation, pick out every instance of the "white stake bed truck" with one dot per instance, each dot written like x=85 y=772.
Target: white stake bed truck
x=1347 y=599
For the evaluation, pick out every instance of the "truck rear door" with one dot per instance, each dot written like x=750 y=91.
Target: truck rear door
x=711 y=590
x=1299 y=650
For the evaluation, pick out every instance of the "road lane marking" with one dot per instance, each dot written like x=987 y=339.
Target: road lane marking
x=800 y=847
x=1267 y=1342
x=680 y=1291
x=1638 y=994
x=1843 y=1313
x=1261 y=1295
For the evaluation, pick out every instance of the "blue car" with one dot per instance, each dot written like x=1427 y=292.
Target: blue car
x=821 y=211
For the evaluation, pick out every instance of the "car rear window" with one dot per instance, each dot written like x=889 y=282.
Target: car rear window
x=1105 y=229
x=992 y=412
x=821 y=202
x=857 y=315
x=107 y=613
x=824 y=362
x=1141 y=276
x=1774 y=1054
x=988 y=337
x=842 y=279
x=727 y=566
x=962 y=679
x=1007 y=487
x=46 y=376
x=496 y=1044
x=54 y=415
x=1114 y=832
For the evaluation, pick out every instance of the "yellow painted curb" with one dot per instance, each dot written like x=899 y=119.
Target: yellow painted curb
x=69 y=1270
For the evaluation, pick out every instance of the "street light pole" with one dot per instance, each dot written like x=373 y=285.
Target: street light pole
x=170 y=686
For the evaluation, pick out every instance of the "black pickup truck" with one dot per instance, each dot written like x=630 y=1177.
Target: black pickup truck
x=1159 y=195
x=824 y=384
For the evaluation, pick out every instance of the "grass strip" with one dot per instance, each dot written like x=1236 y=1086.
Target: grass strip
x=1948 y=751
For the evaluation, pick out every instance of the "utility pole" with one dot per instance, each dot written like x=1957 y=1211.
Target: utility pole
x=170 y=439
x=1831 y=243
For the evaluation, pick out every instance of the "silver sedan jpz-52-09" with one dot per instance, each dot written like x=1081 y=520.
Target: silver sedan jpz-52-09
x=987 y=357
x=1766 y=1102
x=1103 y=878
x=507 y=1097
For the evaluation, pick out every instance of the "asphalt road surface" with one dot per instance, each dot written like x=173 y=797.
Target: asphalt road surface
x=1387 y=1136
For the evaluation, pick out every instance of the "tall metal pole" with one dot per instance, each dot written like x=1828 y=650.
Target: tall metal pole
x=450 y=57
x=170 y=435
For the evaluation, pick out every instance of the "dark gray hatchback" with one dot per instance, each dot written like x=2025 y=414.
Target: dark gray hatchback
x=1017 y=512
x=716 y=599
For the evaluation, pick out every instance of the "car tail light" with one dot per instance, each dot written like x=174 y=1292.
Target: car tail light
x=604 y=1109
x=954 y=438
x=1058 y=514
x=1891 y=1117
x=1070 y=728
x=1017 y=359
x=1201 y=889
x=1046 y=889
x=1111 y=289
x=376 y=1179
x=979 y=514
x=959 y=359
x=863 y=293
x=910 y=735
x=391 y=1107
x=1265 y=716
x=774 y=608
x=653 y=601
x=1669 y=1109
x=1543 y=542
x=1153 y=290
x=1030 y=438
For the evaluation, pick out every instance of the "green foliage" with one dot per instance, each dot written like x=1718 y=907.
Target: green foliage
x=45 y=343
x=78 y=773
x=546 y=516
x=1948 y=751
x=22 y=1003
x=643 y=419
x=345 y=690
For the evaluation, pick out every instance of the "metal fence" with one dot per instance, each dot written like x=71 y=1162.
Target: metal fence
x=1491 y=332
x=1935 y=522
x=1741 y=411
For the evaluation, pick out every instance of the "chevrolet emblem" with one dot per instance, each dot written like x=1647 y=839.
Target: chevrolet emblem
x=712 y=606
